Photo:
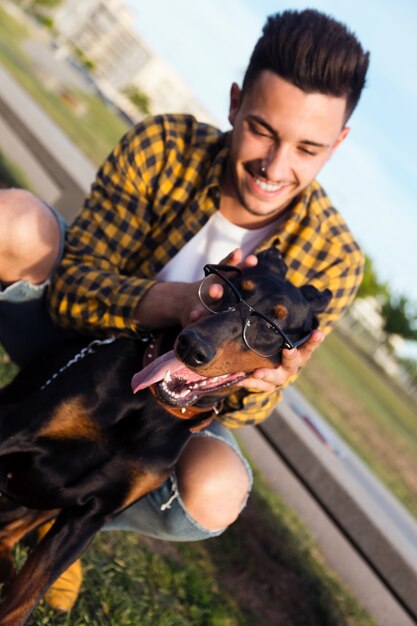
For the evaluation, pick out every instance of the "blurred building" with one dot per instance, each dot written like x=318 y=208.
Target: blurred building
x=363 y=326
x=103 y=31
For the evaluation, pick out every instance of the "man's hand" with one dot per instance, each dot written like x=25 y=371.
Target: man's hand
x=171 y=303
x=292 y=361
x=235 y=259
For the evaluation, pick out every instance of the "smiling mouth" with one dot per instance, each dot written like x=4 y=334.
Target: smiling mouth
x=268 y=186
x=177 y=385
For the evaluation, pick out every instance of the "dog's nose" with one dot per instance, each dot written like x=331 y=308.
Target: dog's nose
x=193 y=349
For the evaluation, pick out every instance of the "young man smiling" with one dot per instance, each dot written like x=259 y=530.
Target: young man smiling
x=176 y=194
x=282 y=136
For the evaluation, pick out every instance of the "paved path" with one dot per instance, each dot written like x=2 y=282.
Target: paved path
x=41 y=147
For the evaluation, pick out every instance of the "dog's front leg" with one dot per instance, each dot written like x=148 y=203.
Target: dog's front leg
x=66 y=540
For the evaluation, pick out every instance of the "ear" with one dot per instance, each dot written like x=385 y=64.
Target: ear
x=344 y=133
x=272 y=260
x=318 y=299
x=235 y=99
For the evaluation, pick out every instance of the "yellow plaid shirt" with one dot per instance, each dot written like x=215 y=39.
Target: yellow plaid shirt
x=153 y=193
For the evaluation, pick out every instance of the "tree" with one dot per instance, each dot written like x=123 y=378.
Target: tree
x=32 y=5
x=400 y=317
x=371 y=285
x=139 y=99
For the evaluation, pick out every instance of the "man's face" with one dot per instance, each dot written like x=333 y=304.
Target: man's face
x=281 y=138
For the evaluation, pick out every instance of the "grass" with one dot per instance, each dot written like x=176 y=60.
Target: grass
x=11 y=175
x=264 y=570
x=369 y=412
x=95 y=132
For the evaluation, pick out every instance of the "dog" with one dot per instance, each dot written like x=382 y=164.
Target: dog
x=82 y=436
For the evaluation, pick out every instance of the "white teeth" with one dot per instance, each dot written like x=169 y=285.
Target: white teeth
x=269 y=186
x=187 y=391
x=173 y=394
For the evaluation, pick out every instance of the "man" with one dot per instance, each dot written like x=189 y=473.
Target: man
x=175 y=194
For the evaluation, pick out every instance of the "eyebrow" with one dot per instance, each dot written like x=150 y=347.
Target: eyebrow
x=275 y=133
x=315 y=143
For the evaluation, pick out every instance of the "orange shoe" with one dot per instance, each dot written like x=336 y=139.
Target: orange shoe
x=63 y=594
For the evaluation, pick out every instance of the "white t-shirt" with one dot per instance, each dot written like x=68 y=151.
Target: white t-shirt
x=212 y=244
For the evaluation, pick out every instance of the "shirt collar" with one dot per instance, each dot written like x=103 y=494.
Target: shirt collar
x=212 y=184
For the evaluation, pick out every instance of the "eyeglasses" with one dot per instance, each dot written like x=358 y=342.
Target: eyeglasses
x=260 y=334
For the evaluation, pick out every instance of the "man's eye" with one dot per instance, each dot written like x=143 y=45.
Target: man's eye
x=309 y=152
x=259 y=131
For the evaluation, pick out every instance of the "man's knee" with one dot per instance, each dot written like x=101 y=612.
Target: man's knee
x=213 y=482
x=29 y=237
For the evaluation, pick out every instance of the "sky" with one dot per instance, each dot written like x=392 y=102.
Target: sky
x=371 y=178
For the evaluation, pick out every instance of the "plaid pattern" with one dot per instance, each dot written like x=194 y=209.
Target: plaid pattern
x=154 y=192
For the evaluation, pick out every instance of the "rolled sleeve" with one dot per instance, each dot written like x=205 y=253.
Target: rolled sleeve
x=96 y=288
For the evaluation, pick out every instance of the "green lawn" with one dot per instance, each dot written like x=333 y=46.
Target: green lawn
x=11 y=175
x=95 y=132
x=368 y=410
x=263 y=570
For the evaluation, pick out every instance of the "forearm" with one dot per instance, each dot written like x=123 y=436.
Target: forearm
x=98 y=282
x=166 y=304
x=95 y=300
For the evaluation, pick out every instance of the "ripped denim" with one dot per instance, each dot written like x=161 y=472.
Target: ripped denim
x=162 y=514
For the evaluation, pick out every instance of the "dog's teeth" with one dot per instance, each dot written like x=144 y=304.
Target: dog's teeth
x=185 y=393
x=203 y=383
x=168 y=377
x=215 y=379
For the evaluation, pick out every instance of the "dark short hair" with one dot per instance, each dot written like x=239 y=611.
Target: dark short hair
x=313 y=52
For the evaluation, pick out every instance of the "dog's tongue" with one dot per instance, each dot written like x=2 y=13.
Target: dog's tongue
x=155 y=371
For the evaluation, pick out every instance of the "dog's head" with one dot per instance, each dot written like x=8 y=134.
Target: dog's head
x=258 y=314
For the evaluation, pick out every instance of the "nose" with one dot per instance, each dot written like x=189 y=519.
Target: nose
x=193 y=349
x=278 y=164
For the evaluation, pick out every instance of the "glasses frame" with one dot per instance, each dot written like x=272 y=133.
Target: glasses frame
x=211 y=269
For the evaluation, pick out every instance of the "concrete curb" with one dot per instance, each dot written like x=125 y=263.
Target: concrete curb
x=67 y=168
x=365 y=534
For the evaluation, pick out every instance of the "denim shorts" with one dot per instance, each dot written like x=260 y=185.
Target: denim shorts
x=25 y=330
x=162 y=514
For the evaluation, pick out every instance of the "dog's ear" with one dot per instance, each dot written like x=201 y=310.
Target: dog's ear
x=272 y=260
x=318 y=299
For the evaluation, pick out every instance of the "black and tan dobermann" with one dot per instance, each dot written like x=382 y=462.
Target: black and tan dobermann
x=77 y=444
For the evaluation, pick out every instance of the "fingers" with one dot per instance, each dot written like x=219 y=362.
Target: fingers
x=235 y=258
x=268 y=379
x=195 y=315
x=215 y=291
x=191 y=310
x=257 y=384
x=307 y=349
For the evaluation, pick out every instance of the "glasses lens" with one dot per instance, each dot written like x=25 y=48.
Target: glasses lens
x=216 y=295
x=261 y=337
